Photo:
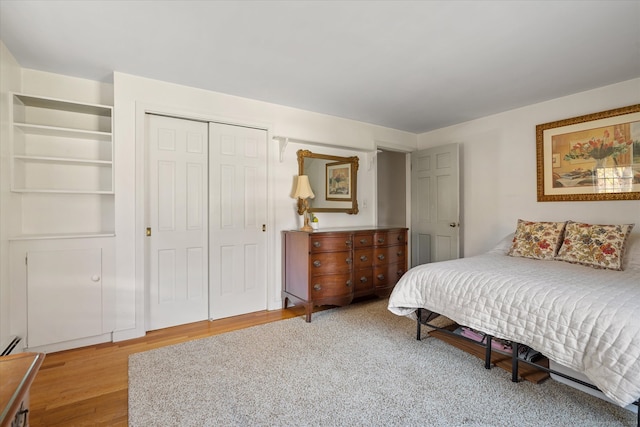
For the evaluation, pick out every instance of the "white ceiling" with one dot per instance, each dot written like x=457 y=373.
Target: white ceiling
x=410 y=65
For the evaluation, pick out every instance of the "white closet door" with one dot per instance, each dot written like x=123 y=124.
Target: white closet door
x=238 y=213
x=177 y=207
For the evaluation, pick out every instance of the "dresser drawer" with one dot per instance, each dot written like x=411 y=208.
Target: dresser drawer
x=331 y=285
x=330 y=263
x=362 y=240
x=389 y=255
x=363 y=281
x=362 y=258
x=389 y=238
x=388 y=275
x=332 y=243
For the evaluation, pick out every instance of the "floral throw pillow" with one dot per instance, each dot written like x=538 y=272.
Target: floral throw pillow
x=538 y=240
x=599 y=246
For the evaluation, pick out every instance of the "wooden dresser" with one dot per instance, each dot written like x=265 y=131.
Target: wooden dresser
x=333 y=266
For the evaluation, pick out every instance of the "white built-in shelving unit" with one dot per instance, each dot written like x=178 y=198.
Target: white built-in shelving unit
x=61 y=222
x=62 y=168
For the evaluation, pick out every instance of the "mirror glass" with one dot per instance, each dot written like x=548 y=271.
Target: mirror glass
x=333 y=179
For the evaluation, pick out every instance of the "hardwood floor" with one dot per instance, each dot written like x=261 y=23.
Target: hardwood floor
x=89 y=386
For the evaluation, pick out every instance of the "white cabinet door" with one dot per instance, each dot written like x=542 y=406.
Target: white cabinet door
x=64 y=295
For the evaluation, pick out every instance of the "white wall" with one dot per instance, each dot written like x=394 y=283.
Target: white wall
x=133 y=96
x=499 y=167
x=10 y=81
x=498 y=155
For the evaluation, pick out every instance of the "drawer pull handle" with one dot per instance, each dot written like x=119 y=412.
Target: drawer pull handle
x=316 y=244
x=363 y=279
x=381 y=257
x=348 y=260
x=363 y=241
x=400 y=238
x=317 y=287
x=380 y=276
x=317 y=263
x=381 y=240
x=363 y=258
x=400 y=253
x=400 y=273
x=348 y=243
x=348 y=283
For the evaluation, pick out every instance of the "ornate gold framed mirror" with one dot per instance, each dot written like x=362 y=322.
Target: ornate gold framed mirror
x=333 y=179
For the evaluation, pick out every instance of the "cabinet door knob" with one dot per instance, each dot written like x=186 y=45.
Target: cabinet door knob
x=363 y=258
x=95 y=278
x=381 y=257
x=316 y=244
x=317 y=287
x=317 y=263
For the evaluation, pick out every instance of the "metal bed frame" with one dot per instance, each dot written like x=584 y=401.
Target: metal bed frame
x=514 y=354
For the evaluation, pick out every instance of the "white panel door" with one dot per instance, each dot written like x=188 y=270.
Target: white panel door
x=64 y=296
x=177 y=210
x=237 y=217
x=435 y=203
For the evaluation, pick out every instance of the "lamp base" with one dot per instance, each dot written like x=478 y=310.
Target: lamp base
x=306 y=227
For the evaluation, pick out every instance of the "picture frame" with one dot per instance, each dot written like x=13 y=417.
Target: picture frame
x=339 y=181
x=590 y=158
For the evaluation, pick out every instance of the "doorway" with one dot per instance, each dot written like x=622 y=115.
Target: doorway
x=391 y=176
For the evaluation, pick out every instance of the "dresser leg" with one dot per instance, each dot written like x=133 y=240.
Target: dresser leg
x=309 y=310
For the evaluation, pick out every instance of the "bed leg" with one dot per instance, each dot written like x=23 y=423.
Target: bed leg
x=418 y=325
x=487 y=352
x=514 y=361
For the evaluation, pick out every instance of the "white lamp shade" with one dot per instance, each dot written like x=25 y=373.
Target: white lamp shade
x=303 y=188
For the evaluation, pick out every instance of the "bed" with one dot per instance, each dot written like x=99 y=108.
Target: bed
x=584 y=318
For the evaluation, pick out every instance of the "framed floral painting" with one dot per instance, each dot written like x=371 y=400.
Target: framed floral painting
x=338 y=183
x=592 y=157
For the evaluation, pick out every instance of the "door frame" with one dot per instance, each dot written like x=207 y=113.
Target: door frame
x=141 y=214
x=407 y=187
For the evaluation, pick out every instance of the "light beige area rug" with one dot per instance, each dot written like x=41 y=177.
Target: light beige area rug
x=358 y=365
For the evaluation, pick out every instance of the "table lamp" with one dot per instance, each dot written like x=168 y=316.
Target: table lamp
x=303 y=192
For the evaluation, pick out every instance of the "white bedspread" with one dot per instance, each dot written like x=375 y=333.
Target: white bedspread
x=581 y=317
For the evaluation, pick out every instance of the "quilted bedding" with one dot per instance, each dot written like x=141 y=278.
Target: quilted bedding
x=581 y=317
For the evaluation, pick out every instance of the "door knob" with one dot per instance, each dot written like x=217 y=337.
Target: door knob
x=453 y=224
